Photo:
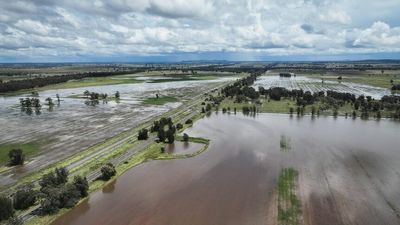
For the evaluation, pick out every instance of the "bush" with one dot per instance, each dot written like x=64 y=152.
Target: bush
x=81 y=185
x=170 y=136
x=15 y=221
x=143 y=134
x=53 y=179
x=16 y=157
x=25 y=197
x=185 y=137
x=107 y=171
x=179 y=126
x=188 y=121
x=6 y=209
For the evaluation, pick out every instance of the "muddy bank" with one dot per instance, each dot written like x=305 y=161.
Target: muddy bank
x=348 y=174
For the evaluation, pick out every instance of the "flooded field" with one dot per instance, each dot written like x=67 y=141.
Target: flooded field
x=72 y=125
x=340 y=180
x=316 y=85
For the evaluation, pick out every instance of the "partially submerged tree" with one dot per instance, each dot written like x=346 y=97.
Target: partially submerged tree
x=16 y=156
x=185 y=137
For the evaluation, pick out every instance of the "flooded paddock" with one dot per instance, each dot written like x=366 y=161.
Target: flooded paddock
x=348 y=173
x=72 y=125
x=315 y=85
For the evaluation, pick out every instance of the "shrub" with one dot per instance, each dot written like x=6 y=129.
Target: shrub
x=107 y=171
x=16 y=157
x=24 y=197
x=143 y=134
x=188 y=121
x=185 y=137
x=6 y=209
x=81 y=185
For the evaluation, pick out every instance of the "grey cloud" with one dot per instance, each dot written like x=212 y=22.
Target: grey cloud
x=80 y=27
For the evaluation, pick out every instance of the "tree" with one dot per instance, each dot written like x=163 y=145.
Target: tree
x=49 y=101
x=161 y=135
x=86 y=93
x=170 y=136
x=188 y=121
x=68 y=196
x=53 y=179
x=107 y=171
x=117 y=95
x=185 y=137
x=143 y=134
x=15 y=221
x=16 y=157
x=24 y=197
x=61 y=175
x=81 y=185
x=6 y=208
x=179 y=126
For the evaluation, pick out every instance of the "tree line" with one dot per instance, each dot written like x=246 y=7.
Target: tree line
x=15 y=85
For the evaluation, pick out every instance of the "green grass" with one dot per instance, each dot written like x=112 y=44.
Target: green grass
x=85 y=82
x=29 y=149
x=377 y=80
x=160 y=100
x=289 y=207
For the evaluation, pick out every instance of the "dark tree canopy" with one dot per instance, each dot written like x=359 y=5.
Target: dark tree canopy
x=16 y=157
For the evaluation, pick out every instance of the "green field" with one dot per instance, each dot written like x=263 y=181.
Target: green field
x=160 y=100
x=289 y=208
x=29 y=149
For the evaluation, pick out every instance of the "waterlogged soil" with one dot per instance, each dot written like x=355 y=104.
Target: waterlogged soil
x=71 y=125
x=316 y=85
x=348 y=174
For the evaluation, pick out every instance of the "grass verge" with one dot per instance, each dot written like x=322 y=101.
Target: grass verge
x=160 y=100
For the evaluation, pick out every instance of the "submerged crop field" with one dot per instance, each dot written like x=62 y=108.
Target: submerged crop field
x=76 y=122
x=244 y=178
x=313 y=85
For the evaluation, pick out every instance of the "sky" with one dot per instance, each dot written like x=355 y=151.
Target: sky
x=180 y=30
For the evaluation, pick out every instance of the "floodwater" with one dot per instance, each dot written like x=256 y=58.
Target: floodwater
x=72 y=125
x=179 y=148
x=348 y=174
x=316 y=85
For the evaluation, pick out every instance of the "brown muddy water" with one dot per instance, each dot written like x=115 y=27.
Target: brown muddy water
x=349 y=173
x=179 y=148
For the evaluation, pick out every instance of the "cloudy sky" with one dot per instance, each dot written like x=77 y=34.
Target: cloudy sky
x=173 y=30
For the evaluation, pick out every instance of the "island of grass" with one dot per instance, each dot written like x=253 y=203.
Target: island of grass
x=161 y=100
x=29 y=149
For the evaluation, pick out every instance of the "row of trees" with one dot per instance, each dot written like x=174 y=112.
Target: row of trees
x=15 y=85
x=55 y=192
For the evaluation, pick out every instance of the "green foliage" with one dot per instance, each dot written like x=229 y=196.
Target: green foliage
x=170 y=136
x=107 y=171
x=143 y=134
x=289 y=208
x=29 y=149
x=160 y=100
x=55 y=178
x=15 y=221
x=16 y=156
x=24 y=197
x=82 y=185
x=6 y=208
x=188 y=121
x=185 y=137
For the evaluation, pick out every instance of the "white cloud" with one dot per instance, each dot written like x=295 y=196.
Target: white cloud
x=114 y=27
